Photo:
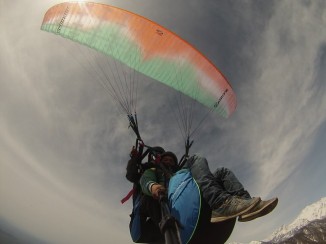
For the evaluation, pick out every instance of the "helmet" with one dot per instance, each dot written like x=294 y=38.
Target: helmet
x=157 y=150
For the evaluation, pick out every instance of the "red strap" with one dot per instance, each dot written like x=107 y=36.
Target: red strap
x=126 y=198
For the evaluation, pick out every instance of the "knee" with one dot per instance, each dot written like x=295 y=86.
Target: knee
x=199 y=157
x=200 y=162
x=194 y=161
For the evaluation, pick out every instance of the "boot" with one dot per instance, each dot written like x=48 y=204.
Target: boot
x=261 y=209
x=232 y=207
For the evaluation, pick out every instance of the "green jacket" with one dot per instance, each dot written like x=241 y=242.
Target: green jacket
x=149 y=177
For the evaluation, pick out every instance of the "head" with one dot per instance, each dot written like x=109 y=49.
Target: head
x=155 y=153
x=169 y=159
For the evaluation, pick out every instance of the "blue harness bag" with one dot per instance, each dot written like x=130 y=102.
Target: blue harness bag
x=135 y=225
x=185 y=202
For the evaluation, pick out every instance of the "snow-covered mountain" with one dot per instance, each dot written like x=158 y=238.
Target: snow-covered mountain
x=311 y=216
x=308 y=227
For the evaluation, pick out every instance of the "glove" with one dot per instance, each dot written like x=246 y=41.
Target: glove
x=157 y=190
x=134 y=153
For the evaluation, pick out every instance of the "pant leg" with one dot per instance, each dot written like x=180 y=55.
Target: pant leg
x=226 y=178
x=212 y=191
x=151 y=208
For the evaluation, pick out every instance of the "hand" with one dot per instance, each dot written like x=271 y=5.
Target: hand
x=134 y=153
x=156 y=190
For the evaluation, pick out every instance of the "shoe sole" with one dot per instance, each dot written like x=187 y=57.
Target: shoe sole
x=259 y=213
x=220 y=219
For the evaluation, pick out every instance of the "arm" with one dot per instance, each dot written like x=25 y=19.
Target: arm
x=149 y=183
x=147 y=180
x=133 y=166
x=132 y=173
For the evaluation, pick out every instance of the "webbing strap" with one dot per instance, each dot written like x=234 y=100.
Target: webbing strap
x=128 y=196
x=133 y=123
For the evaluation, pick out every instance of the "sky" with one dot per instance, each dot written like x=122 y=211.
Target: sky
x=64 y=145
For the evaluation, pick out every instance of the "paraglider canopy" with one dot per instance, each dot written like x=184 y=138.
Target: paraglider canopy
x=130 y=40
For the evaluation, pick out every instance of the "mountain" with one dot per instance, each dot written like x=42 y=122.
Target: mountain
x=308 y=227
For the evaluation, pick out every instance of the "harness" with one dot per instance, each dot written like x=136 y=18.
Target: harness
x=169 y=225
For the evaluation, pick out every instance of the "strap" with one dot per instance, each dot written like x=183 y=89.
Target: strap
x=127 y=197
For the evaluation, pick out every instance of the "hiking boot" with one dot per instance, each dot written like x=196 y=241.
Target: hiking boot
x=261 y=209
x=232 y=207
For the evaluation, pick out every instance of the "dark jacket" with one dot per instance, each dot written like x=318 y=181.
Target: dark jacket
x=133 y=170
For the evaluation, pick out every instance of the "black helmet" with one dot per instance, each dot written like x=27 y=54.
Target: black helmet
x=157 y=150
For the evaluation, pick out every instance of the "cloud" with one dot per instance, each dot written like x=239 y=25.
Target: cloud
x=280 y=107
x=282 y=111
x=31 y=207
